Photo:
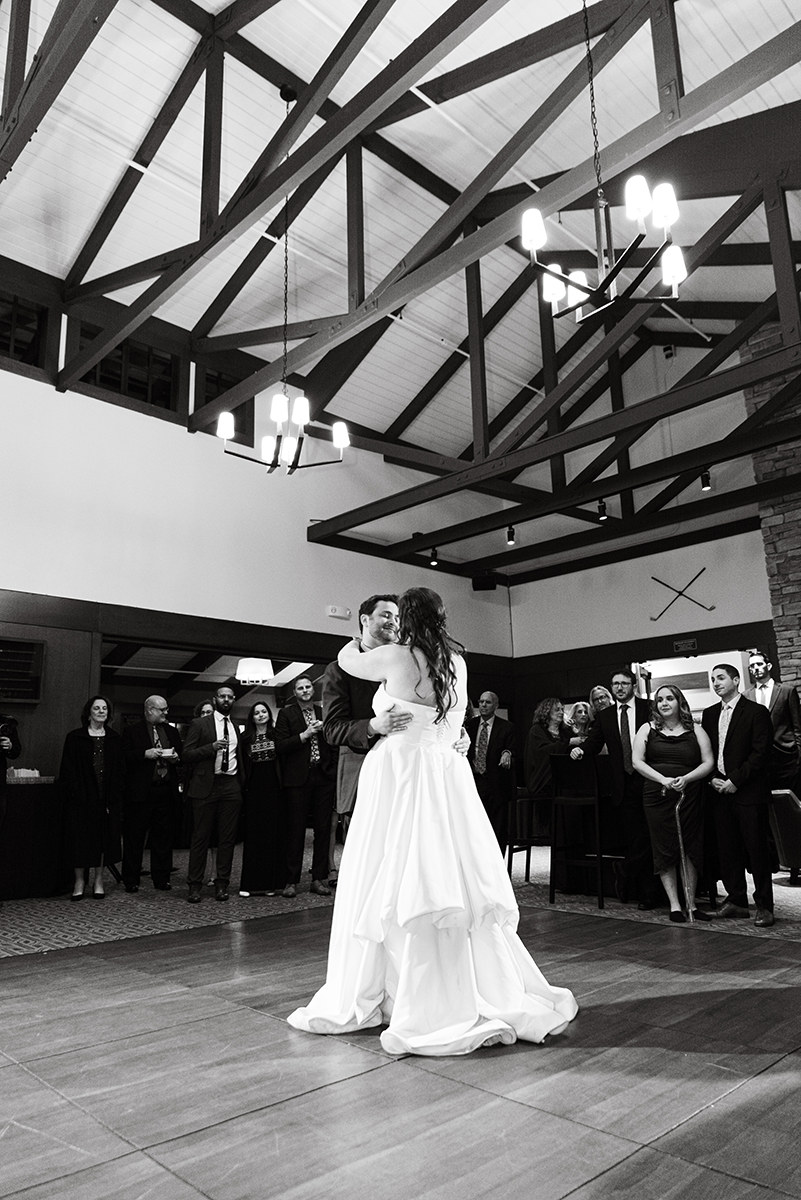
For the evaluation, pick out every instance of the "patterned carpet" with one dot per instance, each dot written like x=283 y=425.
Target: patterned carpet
x=38 y=925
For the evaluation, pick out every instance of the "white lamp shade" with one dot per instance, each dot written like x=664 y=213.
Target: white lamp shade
x=674 y=270
x=553 y=290
x=638 y=198
x=288 y=447
x=254 y=670
x=533 y=230
x=339 y=435
x=574 y=294
x=225 y=425
x=300 y=410
x=279 y=408
x=665 y=208
x=268 y=448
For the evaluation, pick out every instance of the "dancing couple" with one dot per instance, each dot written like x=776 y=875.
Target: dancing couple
x=423 y=937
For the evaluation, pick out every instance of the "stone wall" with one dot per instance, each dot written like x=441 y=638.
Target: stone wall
x=781 y=518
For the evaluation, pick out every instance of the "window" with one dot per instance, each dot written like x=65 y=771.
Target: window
x=135 y=369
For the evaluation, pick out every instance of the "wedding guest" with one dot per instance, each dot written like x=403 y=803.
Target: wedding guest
x=673 y=755
x=92 y=779
x=264 y=850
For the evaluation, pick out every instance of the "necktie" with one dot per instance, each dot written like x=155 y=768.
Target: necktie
x=481 y=749
x=314 y=745
x=723 y=728
x=161 y=770
x=763 y=694
x=625 y=739
x=225 y=759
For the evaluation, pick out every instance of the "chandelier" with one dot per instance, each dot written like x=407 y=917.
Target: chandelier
x=283 y=447
x=640 y=202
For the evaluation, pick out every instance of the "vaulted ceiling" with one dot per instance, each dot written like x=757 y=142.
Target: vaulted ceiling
x=154 y=152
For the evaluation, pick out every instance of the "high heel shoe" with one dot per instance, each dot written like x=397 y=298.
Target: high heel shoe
x=77 y=896
x=98 y=895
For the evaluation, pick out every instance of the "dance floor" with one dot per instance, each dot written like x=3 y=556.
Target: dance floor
x=161 y=1066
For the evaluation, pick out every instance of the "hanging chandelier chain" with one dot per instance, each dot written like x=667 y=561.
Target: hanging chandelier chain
x=286 y=280
x=596 y=154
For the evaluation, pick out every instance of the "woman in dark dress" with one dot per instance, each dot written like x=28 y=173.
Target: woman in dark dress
x=264 y=852
x=549 y=734
x=92 y=777
x=673 y=755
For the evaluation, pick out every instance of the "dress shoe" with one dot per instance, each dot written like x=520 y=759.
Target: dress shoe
x=162 y=887
x=320 y=888
x=290 y=892
x=727 y=909
x=619 y=877
x=221 y=892
x=764 y=918
x=700 y=915
x=245 y=894
x=132 y=887
x=194 y=895
x=76 y=896
x=98 y=895
x=677 y=916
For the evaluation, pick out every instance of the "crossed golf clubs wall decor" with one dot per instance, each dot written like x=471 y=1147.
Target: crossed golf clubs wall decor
x=681 y=592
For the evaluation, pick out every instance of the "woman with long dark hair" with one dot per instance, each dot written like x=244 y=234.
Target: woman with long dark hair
x=92 y=777
x=673 y=755
x=424 y=930
x=264 y=849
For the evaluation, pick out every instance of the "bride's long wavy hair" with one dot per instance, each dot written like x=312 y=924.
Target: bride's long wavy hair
x=421 y=615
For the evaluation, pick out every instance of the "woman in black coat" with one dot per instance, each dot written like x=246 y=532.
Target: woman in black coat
x=264 y=851
x=92 y=778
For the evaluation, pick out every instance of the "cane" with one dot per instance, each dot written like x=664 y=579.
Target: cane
x=685 y=879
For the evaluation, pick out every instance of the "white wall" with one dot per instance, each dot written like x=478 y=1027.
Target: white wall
x=616 y=603
x=114 y=506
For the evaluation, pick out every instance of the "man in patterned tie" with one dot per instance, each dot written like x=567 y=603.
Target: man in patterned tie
x=741 y=734
x=781 y=701
x=309 y=776
x=211 y=750
x=491 y=755
x=152 y=756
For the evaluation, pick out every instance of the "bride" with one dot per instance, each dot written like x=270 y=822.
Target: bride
x=423 y=937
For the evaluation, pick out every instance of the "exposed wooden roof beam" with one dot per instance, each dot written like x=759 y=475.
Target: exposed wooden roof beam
x=16 y=54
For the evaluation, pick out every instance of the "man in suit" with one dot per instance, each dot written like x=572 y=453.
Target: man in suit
x=152 y=753
x=781 y=701
x=615 y=727
x=308 y=773
x=211 y=749
x=491 y=755
x=741 y=734
x=348 y=718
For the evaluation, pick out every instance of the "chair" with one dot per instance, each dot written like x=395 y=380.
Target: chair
x=522 y=829
x=575 y=786
x=785 y=824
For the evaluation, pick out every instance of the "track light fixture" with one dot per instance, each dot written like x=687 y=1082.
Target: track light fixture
x=602 y=515
x=510 y=536
x=706 y=481
x=434 y=557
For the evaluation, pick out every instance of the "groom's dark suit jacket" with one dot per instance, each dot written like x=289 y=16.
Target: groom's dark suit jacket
x=347 y=709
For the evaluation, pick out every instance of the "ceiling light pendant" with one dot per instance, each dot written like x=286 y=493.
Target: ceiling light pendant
x=665 y=208
x=577 y=292
x=225 y=426
x=434 y=560
x=533 y=235
x=638 y=201
x=553 y=289
x=510 y=536
x=602 y=514
x=674 y=269
x=706 y=481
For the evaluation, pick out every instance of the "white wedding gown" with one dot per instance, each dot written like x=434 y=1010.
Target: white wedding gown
x=423 y=936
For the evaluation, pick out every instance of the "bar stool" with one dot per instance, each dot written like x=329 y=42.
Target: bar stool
x=575 y=786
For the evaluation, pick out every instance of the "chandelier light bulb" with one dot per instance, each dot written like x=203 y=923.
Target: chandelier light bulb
x=533 y=233
x=300 y=411
x=288 y=447
x=268 y=448
x=665 y=207
x=638 y=200
x=279 y=408
x=339 y=435
x=674 y=269
x=553 y=290
x=225 y=426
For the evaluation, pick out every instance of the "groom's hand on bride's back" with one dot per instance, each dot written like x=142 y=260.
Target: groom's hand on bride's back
x=391 y=720
x=463 y=744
